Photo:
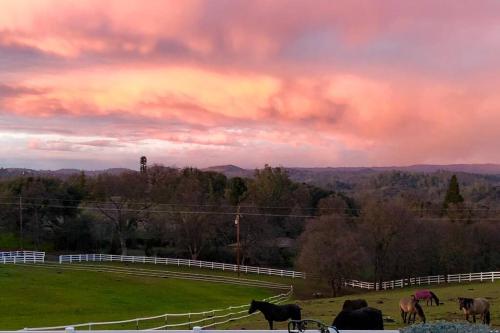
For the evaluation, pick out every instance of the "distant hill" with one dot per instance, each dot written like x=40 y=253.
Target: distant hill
x=479 y=183
x=61 y=173
x=480 y=169
x=231 y=170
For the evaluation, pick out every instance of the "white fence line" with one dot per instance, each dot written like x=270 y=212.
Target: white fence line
x=18 y=257
x=202 y=319
x=424 y=280
x=180 y=262
x=197 y=329
x=466 y=277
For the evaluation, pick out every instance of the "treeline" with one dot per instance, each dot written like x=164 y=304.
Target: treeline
x=189 y=213
x=166 y=212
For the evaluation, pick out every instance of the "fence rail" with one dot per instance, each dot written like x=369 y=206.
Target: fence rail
x=424 y=280
x=203 y=319
x=180 y=262
x=197 y=329
x=25 y=257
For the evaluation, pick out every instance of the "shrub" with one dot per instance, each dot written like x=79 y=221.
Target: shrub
x=448 y=327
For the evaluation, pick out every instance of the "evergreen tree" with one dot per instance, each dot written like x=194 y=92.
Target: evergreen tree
x=453 y=195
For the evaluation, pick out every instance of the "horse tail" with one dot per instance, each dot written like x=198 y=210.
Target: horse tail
x=487 y=317
x=420 y=311
x=436 y=299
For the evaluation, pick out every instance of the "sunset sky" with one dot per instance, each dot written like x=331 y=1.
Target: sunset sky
x=97 y=84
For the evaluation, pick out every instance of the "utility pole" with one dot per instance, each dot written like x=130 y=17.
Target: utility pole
x=21 y=222
x=237 y=222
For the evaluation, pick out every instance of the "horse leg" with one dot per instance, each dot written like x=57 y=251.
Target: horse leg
x=474 y=318
x=270 y=324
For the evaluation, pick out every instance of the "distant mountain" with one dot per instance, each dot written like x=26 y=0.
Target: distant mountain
x=231 y=170
x=61 y=173
x=481 y=169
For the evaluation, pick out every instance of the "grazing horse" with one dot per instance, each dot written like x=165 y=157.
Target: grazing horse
x=409 y=306
x=427 y=295
x=364 y=318
x=273 y=312
x=354 y=304
x=474 y=306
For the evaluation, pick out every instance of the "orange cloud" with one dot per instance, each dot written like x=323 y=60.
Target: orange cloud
x=295 y=82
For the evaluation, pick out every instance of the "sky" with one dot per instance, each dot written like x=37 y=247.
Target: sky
x=97 y=84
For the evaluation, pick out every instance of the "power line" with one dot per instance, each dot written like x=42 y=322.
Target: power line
x=244 y=206
x=193 y=212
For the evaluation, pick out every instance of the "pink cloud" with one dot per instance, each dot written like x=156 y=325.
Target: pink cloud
x=370 y=82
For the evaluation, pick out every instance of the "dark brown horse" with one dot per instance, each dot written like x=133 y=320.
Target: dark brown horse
x=354 y=304
x=273 y=312
x=365 y=318
x=474 y=306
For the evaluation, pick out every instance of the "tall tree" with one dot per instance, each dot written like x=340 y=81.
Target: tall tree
x=383 y=224
x=453 y=195
x=330 y=250
x=124 y=201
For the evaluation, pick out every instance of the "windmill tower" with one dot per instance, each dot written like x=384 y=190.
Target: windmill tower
x=143 y=166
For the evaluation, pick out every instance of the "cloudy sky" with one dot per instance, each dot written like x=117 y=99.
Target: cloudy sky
x=97 y=84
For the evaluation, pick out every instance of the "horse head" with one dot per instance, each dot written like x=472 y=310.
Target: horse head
x=464 y=303
x=253 y=307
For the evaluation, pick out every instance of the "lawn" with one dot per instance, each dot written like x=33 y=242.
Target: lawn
x=387 y=301
x=35 y=297
x=196 y=270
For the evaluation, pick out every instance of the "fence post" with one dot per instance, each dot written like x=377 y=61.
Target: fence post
x=189 y=321
x=137 y=324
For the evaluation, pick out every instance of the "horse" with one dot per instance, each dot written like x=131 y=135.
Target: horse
x=364 y=318
x=273 y=312
x=474 y=306
x=409 y=305
x=427 y=295
x=354 y=304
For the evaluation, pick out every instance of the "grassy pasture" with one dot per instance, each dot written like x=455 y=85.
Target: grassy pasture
x=327 y=308
x=34 y=297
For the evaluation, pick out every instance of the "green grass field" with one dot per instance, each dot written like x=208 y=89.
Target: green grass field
x=197 y=270
x=34 y=297
x=387 y=301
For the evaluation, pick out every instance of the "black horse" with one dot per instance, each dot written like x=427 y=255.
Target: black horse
x=354 y=304
x=273 y=312
x=365 y=318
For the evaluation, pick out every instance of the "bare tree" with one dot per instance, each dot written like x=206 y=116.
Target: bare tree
x=382 y=224
x=330 y=250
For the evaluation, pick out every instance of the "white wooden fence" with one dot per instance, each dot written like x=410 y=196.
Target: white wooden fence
x=167 y=321
x=25 y=257
x=180 y=262
x=424 y=280
x=198 y=329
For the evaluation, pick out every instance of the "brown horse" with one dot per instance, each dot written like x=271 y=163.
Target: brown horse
x=409 y=305
x=475 y=306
